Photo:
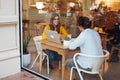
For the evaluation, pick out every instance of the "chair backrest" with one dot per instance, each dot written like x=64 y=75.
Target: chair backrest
x=97 y=63
x=99 y=60
x=37 y=44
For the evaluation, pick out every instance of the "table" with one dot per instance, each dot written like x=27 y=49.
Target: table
x=62 y=50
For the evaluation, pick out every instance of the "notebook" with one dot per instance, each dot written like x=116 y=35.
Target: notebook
x=53 y=36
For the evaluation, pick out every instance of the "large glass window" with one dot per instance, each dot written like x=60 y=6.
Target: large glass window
x=36 y=14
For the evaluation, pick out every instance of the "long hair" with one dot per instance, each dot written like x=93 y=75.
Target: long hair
x=52 y=27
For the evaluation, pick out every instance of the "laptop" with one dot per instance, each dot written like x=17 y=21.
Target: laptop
x=53 y=36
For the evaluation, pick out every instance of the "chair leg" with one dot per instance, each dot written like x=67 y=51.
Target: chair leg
x=42 y=60
x=43 y=57
x=71 y=73
x=100 y=77
x=80 y=75
x=47 y=64
x=34 y=61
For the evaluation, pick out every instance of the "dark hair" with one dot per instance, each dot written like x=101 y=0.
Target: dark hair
x=51 y=22
x=84 y=22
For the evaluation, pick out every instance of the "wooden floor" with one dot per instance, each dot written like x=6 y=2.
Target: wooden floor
x=111 y=71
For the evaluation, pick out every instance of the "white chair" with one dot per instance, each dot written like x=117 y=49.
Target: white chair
x=98 y=62
x=37 y=44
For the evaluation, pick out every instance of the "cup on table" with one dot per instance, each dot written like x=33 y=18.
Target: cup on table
x=66 y=42
x=69 y=35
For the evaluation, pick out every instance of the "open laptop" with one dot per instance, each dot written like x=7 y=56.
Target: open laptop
x=53 y=36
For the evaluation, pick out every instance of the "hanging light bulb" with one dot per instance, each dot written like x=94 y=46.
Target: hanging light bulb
x=40 y=6
x=71 y=4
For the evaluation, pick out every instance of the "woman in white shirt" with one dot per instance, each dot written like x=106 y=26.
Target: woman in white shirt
x=89 y=42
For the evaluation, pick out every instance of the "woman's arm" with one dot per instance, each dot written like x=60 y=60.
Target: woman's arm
x=63 y=32
x=47 y=27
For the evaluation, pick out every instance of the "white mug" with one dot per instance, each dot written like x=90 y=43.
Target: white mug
x=69 y=35
x=66 y=43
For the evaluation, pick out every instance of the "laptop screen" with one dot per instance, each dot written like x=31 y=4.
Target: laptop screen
x=53 y=36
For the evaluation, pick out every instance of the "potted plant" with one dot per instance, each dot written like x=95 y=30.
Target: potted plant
x=26 y=53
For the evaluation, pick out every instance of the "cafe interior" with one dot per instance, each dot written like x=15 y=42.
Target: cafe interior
x=36 y=14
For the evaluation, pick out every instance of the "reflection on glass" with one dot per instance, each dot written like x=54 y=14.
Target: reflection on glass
x=33 y=25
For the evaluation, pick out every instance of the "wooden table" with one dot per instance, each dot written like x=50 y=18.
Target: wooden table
x=62 y=50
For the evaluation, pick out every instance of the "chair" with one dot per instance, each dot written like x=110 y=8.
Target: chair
x=37 y=44
x=115 y=48
x=98 y=62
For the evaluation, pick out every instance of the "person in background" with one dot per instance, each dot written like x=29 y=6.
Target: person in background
x=88 y=41
x=55 y=26
x=94 y=18
x=115 y=32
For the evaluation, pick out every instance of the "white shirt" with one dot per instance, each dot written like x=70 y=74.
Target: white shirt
x=89 y=42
